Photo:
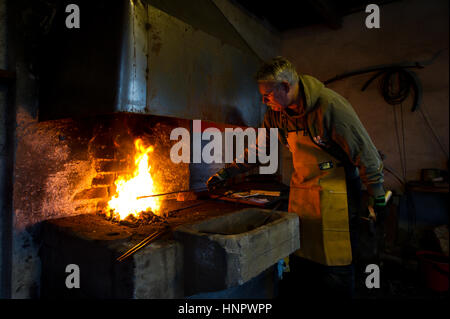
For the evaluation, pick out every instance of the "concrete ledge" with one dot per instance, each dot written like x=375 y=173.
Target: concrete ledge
x=156 y=271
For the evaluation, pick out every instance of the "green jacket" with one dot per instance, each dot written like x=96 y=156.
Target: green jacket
x=329 y=119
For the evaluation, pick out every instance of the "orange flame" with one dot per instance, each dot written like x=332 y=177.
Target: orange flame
x=125 y=201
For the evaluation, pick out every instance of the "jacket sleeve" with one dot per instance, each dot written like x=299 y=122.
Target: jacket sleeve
x=241 y=164
x=345 y=129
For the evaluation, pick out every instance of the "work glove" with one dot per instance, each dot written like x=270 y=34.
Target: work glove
x=377 y=212
x=217 y=180
x=378 y=207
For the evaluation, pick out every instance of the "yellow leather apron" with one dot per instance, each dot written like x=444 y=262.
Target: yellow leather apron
x=318 y=194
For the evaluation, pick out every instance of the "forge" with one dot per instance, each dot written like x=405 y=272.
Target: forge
x=78 y=163
x=113 y=89
x=94 y=244
x=108 y=153
x=163 y=269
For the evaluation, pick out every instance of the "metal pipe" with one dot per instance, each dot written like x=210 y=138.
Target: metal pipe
x=175 y=192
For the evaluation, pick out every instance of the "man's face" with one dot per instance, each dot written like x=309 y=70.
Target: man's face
x=274 y=94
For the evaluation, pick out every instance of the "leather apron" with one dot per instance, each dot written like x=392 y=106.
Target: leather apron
x=318 y=194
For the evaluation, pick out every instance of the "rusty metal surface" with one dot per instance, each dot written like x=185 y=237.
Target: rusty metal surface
x=132 y=86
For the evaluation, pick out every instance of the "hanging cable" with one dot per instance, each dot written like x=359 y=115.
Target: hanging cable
x=396 y=85
x=396 y=175
x=402 y=118
x=406 y=79
x=436 y=137
x=397 y=135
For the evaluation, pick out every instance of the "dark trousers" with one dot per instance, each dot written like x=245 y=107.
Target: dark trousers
x=308 y=279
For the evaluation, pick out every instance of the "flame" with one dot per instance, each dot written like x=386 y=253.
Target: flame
x=125 y=201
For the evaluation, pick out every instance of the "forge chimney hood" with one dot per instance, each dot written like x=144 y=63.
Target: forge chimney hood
x=171 y=58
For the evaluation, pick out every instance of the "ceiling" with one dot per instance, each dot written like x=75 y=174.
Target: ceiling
x=283 y=15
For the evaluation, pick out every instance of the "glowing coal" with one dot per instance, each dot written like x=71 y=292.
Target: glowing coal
x=131 y=186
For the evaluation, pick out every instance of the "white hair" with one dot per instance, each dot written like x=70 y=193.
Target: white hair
x=279 y=69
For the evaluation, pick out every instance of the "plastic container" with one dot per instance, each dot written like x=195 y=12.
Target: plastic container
x=434 y=269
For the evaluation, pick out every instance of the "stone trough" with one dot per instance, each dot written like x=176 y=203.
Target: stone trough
x=229 y=250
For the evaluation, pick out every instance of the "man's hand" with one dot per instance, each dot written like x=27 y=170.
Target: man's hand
x=214 y=182
x=217 y=180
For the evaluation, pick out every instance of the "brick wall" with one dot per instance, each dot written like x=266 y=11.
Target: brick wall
x=68 y=167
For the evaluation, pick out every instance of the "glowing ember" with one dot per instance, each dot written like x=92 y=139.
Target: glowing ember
x=140 y=183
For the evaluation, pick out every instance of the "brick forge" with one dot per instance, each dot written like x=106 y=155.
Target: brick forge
x=111 y=152
x=76 y=162
x=108 y=161
x=93 y=243
x=66 y=168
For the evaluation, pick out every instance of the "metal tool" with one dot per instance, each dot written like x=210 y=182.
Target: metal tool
x=174 y=192
x=143 y=243
x=155 y=235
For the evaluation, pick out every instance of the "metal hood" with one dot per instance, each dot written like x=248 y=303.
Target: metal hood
x=171 y=58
